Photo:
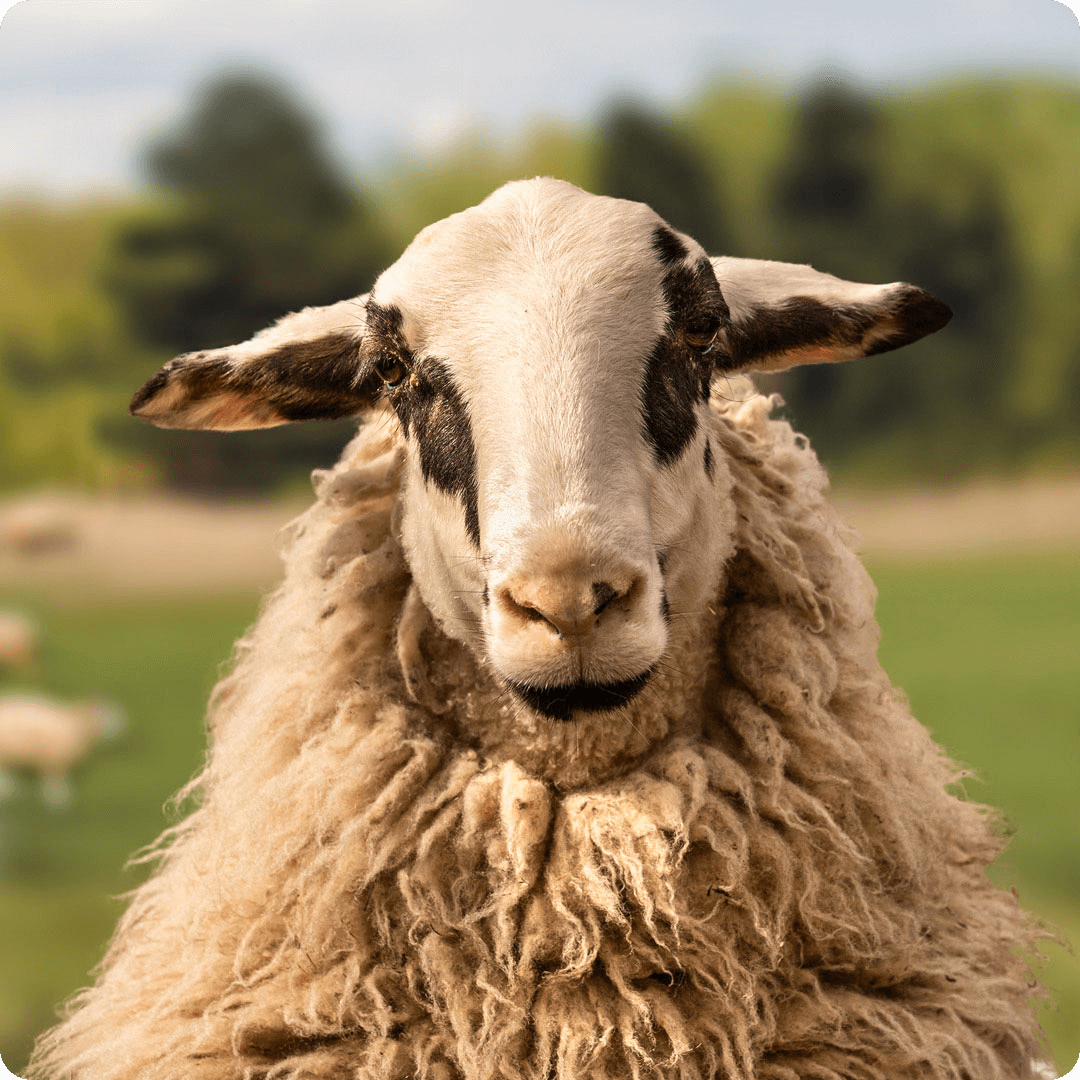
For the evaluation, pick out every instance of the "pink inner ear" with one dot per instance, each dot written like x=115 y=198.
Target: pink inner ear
x=819 y=354
x=230 y=411
x=815 y=356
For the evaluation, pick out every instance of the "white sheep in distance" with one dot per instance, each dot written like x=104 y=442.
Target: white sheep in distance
x=562 y=752
x=50 y=738
x=18 y=640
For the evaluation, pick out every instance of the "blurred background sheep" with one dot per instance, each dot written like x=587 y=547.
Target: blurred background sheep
x=151 y=148
x=49 y=738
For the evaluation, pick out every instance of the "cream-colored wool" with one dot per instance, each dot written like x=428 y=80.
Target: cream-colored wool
x=757 y=873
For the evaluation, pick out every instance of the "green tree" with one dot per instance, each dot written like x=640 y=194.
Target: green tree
x=826 y=201
x=258 y=220
x=929 y=406
x=966 y=256
x=828 y=186
x=641 y=156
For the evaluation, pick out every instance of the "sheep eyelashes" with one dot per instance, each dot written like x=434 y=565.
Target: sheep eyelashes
x=562 y=751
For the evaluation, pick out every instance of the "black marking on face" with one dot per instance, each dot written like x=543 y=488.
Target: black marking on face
x=668 y=246
x=665 y=607
x=710 y=465
x=385 y=344
x=561 y=702
x=323 y=379
x=678 y=374
x=432 y=412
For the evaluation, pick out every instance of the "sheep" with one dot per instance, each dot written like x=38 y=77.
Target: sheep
x=18 y=639
x=50 y=738
x=562 y=752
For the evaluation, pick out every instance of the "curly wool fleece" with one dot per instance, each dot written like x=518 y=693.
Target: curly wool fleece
x=756 y=873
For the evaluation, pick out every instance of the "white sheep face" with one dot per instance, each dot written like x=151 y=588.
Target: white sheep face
x=549 y=355
x=551 y=528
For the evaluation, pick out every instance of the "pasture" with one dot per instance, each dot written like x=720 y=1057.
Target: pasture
x=986 y=646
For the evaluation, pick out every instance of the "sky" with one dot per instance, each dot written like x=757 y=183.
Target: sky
x=84 y=83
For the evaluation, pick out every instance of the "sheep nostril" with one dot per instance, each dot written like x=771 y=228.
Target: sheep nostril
x=526 y=612
x=603 y=594
x=564 y=604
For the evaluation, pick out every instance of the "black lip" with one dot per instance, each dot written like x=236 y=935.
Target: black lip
x=560 y=702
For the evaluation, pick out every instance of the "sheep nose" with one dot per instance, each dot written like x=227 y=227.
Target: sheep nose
x=567 y=607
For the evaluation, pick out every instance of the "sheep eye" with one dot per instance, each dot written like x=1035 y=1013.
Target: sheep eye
x=702 y=332
x=390 y=369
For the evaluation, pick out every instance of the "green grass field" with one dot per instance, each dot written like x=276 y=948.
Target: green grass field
x=988 y=651
x=60 y=872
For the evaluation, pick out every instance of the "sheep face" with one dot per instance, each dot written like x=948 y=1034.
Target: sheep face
x=551 y=382
x=550 y=355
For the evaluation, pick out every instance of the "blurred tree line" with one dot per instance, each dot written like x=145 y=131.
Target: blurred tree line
x=254 y=217
x=262 y=221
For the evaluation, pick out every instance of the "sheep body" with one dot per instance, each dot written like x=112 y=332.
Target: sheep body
x=441 y=910
x=50 y=739
x=409 y=859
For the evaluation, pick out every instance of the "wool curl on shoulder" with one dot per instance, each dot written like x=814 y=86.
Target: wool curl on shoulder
x=773 y=878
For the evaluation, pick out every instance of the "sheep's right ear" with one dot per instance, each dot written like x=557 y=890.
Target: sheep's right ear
x=783 y=315
x=307 y=366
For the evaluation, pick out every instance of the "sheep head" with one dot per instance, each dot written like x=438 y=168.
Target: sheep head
x=550 y=355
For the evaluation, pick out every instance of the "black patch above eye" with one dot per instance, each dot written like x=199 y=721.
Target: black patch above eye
x=432 y=412
x=671 y=394
x=679 y=369
x=668 y=246
x=385 y=345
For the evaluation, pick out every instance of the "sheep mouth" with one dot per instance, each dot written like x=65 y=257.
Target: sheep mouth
x=561 y=702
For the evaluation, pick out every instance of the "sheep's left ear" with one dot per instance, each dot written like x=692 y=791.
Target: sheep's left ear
x=783 y=315
x=307 y=366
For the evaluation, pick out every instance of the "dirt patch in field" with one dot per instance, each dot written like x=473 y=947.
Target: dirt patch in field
x=979 y=519
x=82 y=548
x=143 y=547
